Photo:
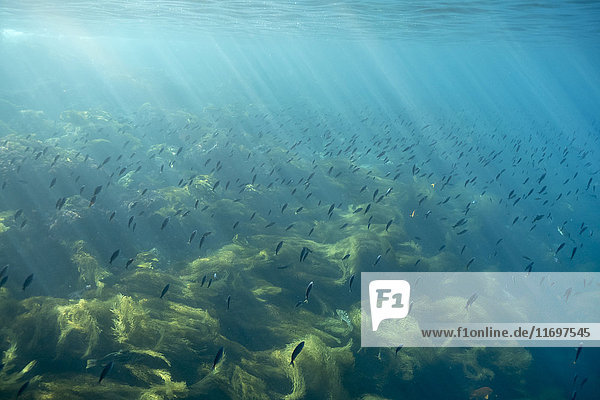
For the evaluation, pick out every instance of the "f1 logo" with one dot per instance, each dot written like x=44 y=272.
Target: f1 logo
x=389 y=299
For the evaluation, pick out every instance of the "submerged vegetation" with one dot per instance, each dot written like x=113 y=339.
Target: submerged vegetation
x=202 y=210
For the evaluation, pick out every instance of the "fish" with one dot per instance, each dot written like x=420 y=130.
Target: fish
x=577 y=354
x=471 y=300
x=3 y=280
x=398 y=349
x=375 y=194
x=112 y=215
x=347 y=256
x=296 y=351
x=307 y=293
x=203 y=280
x=388 y=224
x=279 y=248
x=164 y=223
x=470 y=262
x=22 y=389
x=97 y=190
x=351 y=281
x=52 y=183
x=128 y=263
x=27 y=281
x=228 y=301
x=107 y=368
x=165 y=289
x=573 y=253
x=192 y=236
x=460 y=222
x=377 y=260
x=114 y=255
x=107 y=159
x=304 y=253
x=529 y=267
x=218 y=357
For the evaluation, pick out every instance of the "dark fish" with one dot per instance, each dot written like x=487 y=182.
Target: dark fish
x=283 y=266
x=577 y=354
x=218 y=357
x=388 y=224
x=228 y=301
x=130 y=222
x=97 y=190
x=462 y=232
x=573 y=253
x=398 y=349
x=308 y=289
x=107 y=368
x=107 y=159
x=278 y=247
x=92 y=201
x=112 y=215
x=351 y=281
x=18 y=213
x=3 y=280
x=192 y=236
x=377 y=260
x=209 y=283
x=368 y=208
x=203 y=280
x=297 y=351
x=559 y=248
x=304 y=253
x=529 y=267
x=270 y=224
x=460 y=222
x=165 y=289
x=114 y=255
x=52 y=183
x=128 y=263
x=284 y=207
x=375 y=194
x=346 y=257
x=165 y=222
x=311 y=231
x=27 y=281
x=216 y=185
x=359 y=209
x=22 y=389
x=470 y=262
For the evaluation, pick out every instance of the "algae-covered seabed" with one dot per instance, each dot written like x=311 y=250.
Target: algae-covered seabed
x=204 y=177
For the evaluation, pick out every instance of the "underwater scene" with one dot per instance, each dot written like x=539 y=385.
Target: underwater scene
x=189 y=191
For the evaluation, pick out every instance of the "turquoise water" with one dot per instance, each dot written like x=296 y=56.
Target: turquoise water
x=131 y=125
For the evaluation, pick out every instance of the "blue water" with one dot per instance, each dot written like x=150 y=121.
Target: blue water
x=214 y=116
